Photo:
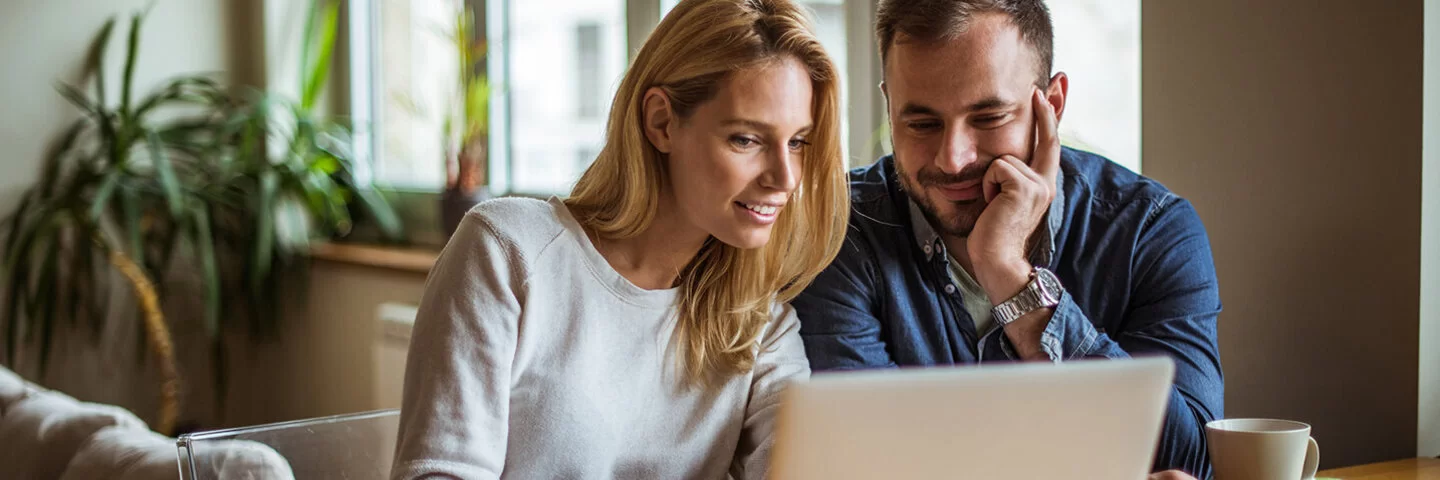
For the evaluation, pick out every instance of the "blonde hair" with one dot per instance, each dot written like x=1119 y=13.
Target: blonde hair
x=725 y=293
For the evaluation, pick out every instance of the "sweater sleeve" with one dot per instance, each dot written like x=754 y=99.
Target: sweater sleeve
x=781 y=360
x=454 y=417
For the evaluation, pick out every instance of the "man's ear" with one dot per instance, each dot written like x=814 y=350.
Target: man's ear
x=1057 y=92
x=658 y=118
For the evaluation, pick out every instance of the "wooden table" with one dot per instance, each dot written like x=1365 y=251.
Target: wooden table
x=1408 y=469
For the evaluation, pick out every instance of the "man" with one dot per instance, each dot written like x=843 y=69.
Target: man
x=982 y=239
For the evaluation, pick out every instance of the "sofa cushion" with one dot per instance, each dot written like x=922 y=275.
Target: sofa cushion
x=44 y=430
x=12 y=389
x=121 y=453
x=240 y=460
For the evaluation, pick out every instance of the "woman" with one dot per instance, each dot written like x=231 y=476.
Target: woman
x=638 y=329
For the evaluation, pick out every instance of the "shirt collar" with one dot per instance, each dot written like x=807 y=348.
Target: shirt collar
x=1044 y=251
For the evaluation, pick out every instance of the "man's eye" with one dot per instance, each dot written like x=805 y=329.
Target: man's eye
x=924 y=126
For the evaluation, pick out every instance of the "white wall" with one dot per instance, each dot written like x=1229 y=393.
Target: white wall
x=1429 y=425
x=44 y=41
x=1294 y=130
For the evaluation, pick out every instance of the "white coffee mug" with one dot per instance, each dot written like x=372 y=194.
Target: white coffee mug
x=1262 y=449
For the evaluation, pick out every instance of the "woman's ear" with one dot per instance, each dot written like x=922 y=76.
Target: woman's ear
x=658 y=118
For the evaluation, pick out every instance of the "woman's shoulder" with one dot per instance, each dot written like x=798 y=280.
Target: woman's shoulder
x=526 y=225
x=782 y=320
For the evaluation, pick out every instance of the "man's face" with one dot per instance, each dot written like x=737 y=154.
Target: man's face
x=957 y=105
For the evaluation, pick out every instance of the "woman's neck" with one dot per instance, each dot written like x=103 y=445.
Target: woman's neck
x=654 y=259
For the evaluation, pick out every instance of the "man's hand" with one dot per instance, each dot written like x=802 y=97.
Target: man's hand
x=1171 y=475
x=1017 y=195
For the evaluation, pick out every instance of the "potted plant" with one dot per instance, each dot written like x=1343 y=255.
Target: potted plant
x=235 y=185
x=466 y=126
x=113 y=189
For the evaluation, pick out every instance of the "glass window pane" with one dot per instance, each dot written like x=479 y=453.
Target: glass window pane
x=1097 y=43
x=565 y=59
x=415 y=76
x=829 y=18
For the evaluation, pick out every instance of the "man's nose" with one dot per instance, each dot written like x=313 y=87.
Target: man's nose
x=957 y=152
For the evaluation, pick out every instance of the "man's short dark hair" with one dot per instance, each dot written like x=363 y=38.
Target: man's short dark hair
x=940 y=20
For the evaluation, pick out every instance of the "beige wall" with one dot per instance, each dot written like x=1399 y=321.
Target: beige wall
x=44 y=41
x=324 y=362
x=1294 y=130
x=1429 y=438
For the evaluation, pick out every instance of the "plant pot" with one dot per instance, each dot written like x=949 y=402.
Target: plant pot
x=455 y=203
x=465 y=185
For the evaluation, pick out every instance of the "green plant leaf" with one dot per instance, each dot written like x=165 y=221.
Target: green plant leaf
x=17 y=227
x=264 y=229
x=88 y=284
x=326 y=164
x=102 y=196
x=318 y=47
x=209 y=268
x=132 y=51
x=74 y=273
x=47 y=295
x=78 y=99
x=18 y=276
x=55 y=158
x=307 y=47
x=101 y=302
x=44 y=281
x=166 y=171
x=195 y=89
x=95 y=59
x=382 y=213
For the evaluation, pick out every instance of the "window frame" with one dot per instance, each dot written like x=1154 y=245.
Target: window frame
x=419 y=206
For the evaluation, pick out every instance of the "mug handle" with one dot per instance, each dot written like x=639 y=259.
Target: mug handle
x=1312 y=460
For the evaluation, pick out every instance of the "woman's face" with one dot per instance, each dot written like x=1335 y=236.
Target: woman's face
x=735 y=161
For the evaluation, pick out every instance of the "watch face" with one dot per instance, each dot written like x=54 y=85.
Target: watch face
x=1049 y=285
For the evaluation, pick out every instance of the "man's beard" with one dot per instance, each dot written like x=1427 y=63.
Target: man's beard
x=963 y=215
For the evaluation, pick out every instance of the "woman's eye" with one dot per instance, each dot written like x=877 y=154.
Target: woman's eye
x=798 y=144
x=743 y=142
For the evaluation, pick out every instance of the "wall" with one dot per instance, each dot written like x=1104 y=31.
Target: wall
x=1295 y=132
x=45 y=41
x=324 y=361
x=1429 y=425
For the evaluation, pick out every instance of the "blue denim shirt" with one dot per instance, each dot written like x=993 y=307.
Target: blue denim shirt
x=1133 y=257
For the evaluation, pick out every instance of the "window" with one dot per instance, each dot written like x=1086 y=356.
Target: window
x=830 y=26
x=554 y=65
x=1097 y=43
x=558 y=63
x=587 y=64
x=411 y=88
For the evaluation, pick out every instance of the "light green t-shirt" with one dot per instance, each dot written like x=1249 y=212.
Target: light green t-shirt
x=977 y=302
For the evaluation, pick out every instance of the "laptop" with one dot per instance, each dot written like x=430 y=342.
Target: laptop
x=1093 y=419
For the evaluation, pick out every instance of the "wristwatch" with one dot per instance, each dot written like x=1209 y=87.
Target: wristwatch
x=1043 y=291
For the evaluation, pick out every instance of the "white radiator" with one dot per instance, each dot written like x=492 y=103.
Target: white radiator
x=392 y=343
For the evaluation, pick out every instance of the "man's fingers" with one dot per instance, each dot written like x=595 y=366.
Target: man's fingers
x=1046 y=159
x=1020 y=165
x=1002 y=175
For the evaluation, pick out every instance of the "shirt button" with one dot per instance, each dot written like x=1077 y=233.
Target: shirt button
x=927 y=250
x=950 y=289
